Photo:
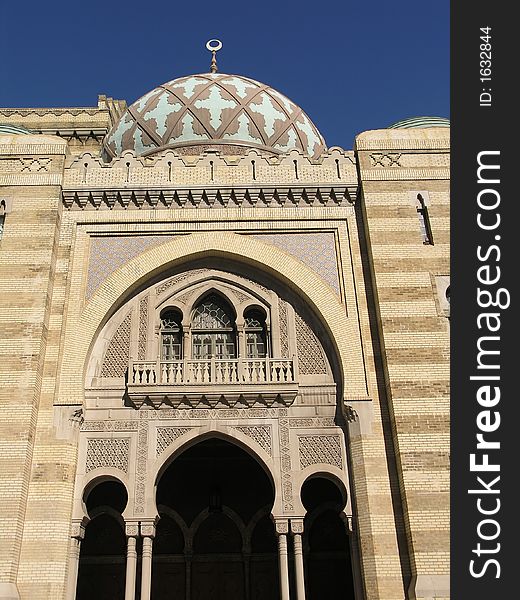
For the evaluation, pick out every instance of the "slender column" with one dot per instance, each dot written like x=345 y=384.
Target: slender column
x=187 y=560
x=242 y=349
x=147 y=533
x=297 y=531
x=247 y=577
x=282 y=528
x=348 y=520
x=78 y=533
x=132 y=531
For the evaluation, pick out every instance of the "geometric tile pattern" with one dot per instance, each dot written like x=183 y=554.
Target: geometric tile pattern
x=284 y=337
x=107 y=453
x=316 y=250
x=115 y=361
x=261 y=434
x=107 y=254
x=320 y=449
x=215 y=108
x=167 y=435
x=310 y=352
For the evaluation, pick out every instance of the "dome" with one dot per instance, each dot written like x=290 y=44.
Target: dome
x=421 y=122
x=8 y=129
x=214 y=109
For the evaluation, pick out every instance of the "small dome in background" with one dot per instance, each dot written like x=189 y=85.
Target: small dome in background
x=214 y=109
x=7 y=129
x=420 y=122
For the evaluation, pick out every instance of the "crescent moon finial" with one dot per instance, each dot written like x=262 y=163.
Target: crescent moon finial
x=214 y=46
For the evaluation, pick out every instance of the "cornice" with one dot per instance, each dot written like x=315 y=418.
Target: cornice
x=207 y=196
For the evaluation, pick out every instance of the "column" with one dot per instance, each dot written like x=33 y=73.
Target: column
x=282 y=528
x=147 y=533
x=187 y=559
x=348 y=520
x=297 y=531
x=242 y=373
x=132 y=531
x=78 y=533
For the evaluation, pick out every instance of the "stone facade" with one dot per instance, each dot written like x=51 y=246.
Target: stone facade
x=355 y=384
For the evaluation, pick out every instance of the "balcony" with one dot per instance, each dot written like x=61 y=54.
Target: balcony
x=188 y=382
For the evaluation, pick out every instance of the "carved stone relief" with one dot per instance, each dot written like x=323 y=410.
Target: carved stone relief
x=142 y=455
x=167 y=435
x=310 y=354
x=115 y=361
x=103 y=452
x=261 y=434
x=316 y=449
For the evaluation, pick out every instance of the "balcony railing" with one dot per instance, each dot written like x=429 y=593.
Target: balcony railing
x=193 y=381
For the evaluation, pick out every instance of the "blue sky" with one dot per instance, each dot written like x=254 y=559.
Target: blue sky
x=351 y=66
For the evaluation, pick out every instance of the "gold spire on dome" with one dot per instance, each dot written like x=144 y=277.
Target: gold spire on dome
x=214 y=46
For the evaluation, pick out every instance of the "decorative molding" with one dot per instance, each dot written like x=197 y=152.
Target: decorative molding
x=215 y=413
x=167 y=197
x=42 y=112
x=405 y=174
x=281 y=526
x=26 y=164
x=30 y=179
x=140 y=478
x=109 y=425
x=107 y=452
x=408 y=143
x=297 y=526
x=33 y=149
x=285 y=459
x=315 y=449
x=132 y=529
x=386 y=160
x=314 y=422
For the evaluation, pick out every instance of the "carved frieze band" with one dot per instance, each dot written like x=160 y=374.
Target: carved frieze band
x=109 y=425
x=178 y=198
x=215 y=413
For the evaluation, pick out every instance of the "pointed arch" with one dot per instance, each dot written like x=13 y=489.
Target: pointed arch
x=342 y=331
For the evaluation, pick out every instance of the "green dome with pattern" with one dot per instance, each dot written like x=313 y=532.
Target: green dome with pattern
x=214 y=109
x=8 y=129
x=421 y=122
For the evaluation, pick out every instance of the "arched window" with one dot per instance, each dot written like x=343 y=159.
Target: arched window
x=213 y=329
x=3 y=211
x=171 y=335
x=256 y=338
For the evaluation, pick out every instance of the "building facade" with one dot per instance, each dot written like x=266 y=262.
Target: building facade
x=224 y=352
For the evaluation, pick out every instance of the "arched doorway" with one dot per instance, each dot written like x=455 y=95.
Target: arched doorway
x=102 y=560
x=215 y=540
x=328 y=567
